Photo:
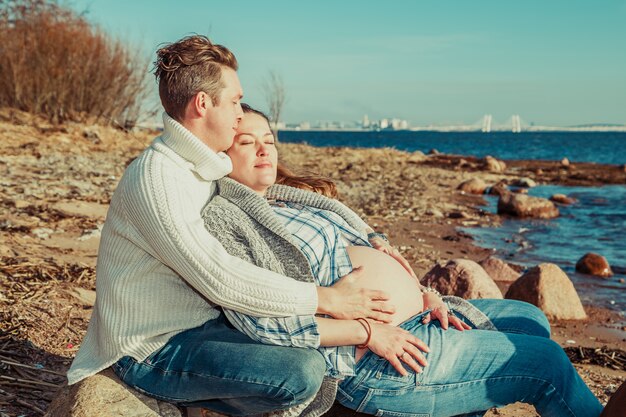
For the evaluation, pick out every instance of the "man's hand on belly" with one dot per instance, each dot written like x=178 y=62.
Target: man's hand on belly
x=347 y=300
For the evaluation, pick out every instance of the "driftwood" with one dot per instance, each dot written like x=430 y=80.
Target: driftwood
x=609 y=358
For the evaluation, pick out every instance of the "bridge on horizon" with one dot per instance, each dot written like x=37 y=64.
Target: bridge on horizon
x=513 y=124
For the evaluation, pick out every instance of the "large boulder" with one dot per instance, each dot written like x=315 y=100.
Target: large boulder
x=463 y=278
x=594 y=264
x=499 y=270
x=473 y=186
x=521 y=205
x=550 y=289
x=104 y=395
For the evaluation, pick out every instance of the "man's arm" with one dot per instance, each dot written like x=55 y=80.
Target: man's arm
x=162 y=209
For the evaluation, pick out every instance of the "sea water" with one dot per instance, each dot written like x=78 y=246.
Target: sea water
x=595 y=223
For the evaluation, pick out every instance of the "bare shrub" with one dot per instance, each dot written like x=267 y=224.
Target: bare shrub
x=274 y=88
x=55 y=63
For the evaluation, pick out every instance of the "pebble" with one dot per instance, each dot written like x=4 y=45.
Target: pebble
x=42 y=233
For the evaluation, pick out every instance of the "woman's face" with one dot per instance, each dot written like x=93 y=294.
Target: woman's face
x=254 y=153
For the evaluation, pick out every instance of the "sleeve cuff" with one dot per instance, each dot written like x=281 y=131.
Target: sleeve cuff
x=306 y=301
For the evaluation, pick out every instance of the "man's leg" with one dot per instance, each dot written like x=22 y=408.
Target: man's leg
x=216 y=367
x=513 y=316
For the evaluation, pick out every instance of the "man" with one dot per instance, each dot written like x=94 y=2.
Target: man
x=160 y=275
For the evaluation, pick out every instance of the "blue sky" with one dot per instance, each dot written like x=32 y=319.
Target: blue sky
x=556 y=62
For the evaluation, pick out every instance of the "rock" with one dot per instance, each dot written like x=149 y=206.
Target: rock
x=498 y=189
x=521 y=191
x=92 y=134
x=594 y=264
x=463 y=278
x=617 y=403
x=524 y=182
x=85 y=297
x=21 y=204
x=434 y=152
x=624 y=168
x=562 y=199
x=104 y=395
x=459 y=215
x=550 y=289
x=416 y=157
x=565 y=162
x=435 y=213
x=91 y=234
x=492 y=164
x=42 y=232
x=499 y=270
x=473 y=186
x=521 y=205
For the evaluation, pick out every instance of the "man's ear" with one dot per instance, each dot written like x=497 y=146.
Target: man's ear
x=200 y=103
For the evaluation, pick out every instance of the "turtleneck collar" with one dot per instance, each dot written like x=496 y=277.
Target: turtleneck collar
x=209 y=165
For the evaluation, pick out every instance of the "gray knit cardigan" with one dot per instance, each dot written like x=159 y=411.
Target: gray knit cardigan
x=247 y=227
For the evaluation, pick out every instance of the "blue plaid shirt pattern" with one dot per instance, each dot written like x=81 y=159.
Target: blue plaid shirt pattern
x=323 y=237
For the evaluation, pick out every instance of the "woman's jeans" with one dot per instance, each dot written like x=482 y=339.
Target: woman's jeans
x=472 y=371
x=216 y=367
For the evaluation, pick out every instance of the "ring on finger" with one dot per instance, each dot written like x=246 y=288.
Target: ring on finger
x=401 y=356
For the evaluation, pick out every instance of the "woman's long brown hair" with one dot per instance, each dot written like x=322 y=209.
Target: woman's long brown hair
x=312 y=182
x=285 y=176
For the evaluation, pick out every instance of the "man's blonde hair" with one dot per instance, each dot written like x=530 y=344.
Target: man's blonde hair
x=187 y=67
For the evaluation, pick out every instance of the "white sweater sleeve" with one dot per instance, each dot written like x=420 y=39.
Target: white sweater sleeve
x=157 y=195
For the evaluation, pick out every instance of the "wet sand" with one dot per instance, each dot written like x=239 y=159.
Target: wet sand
x=56 y=184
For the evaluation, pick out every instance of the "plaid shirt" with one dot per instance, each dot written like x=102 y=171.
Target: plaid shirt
x=323 y=237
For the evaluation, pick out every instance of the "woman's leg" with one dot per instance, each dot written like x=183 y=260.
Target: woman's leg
x=513 y=316
x=216 y=367
x=469 y=372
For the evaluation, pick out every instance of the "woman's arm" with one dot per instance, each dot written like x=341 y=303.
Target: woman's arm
x=390 y=342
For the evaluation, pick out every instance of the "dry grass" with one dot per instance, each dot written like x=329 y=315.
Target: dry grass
x=53 y=62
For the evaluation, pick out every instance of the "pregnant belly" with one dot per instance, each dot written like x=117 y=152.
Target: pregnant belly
x=382 y=272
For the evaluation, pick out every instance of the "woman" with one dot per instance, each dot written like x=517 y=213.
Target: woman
x=304 y=234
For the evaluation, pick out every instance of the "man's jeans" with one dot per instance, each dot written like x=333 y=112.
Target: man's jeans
x=474 y=370
x=215 y=366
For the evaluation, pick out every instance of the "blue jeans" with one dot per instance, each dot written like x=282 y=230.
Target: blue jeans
x=472 y=371
x=215 y=366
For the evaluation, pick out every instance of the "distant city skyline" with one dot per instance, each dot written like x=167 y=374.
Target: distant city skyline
x=557 y=63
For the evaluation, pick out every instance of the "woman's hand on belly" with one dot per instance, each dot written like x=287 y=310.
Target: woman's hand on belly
x=441 y=312
x=397 y=345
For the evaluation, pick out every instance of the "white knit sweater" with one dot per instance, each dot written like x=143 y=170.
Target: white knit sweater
x=159 y=271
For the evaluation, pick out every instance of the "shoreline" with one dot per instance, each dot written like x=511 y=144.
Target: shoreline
x=58 y=181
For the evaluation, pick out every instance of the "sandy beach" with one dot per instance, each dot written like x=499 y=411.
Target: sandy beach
x=57 y=181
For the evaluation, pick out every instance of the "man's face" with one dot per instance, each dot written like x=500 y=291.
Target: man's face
x=221 y=120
